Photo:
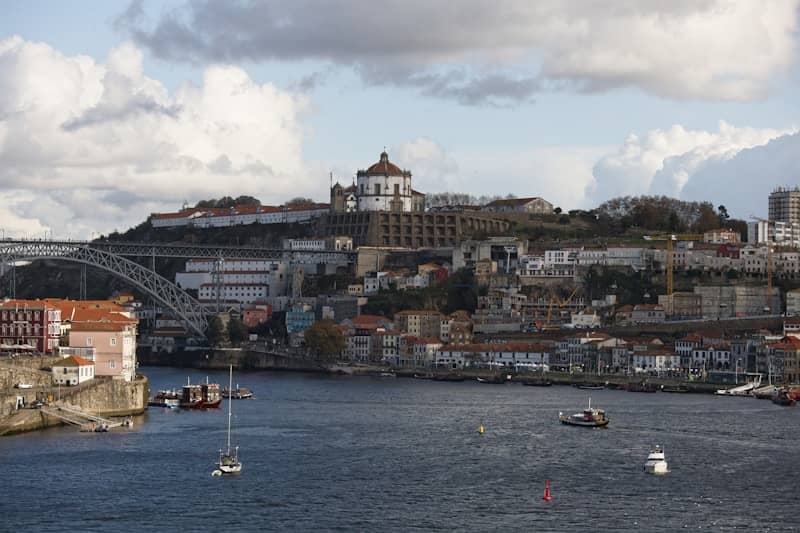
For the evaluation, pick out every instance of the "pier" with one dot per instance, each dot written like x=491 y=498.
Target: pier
x=77 y=417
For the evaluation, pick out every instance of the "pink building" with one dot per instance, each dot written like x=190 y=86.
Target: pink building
x=113 y=336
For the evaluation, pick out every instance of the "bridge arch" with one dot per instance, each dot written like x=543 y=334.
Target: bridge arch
x=159 y=288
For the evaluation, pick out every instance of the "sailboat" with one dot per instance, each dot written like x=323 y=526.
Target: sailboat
x=229 y=464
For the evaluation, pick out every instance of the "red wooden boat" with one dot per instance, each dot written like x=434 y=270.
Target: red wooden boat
x=204 y=396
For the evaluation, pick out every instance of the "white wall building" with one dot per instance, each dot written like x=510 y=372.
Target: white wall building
x=72 y=370
x=384 y=187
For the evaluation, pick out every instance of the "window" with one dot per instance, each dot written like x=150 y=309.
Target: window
x=112 y=364
x=397 y=189
x=89 y=341
x=113 y=341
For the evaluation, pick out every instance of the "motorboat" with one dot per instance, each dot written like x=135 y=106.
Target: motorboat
x=590 y=386
x=643 y=386
x=656 y=462
x=165 y=398
x=783 y=397
x=239 y=393
x=493 y=380
x=590 y=417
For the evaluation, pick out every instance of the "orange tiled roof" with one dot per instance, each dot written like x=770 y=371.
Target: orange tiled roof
x=74 y=360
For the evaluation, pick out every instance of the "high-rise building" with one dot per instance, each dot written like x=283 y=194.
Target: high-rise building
x=784 y=205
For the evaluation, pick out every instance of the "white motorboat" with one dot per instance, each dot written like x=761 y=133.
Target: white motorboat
x=656 y=462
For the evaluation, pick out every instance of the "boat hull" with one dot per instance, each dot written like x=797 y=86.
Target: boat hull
x=584 y=423
x=656 y=467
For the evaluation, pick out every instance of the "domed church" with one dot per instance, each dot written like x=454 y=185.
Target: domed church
x=382 y=187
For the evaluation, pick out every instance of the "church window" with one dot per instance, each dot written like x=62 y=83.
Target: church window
x=377 y=189
x=396 y=189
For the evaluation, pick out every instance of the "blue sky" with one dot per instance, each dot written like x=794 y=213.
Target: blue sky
x=576 y=102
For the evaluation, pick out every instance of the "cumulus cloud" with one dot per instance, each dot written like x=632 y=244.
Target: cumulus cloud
x=105 y=144
x=672 y=162
x=500 y=52
x=743 y=182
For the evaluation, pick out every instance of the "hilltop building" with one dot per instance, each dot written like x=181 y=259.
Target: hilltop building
x=383 y=186
x=784 y=205
x=382 y=209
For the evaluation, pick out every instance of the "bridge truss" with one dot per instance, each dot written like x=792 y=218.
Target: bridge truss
x=192 y=312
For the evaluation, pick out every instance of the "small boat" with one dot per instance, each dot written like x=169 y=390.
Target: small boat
x=590 y=386
x=387 y=375
x=423 y=376
x=679 y=388
x=782 y=397
x=165 y=398
x=656 y=462
x=765 y=393
x=229 y=464
x=128 y=422
x=239 y=393
x=494 y=380
x=590 y=417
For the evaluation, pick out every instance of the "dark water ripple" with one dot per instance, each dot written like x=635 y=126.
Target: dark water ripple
x=360 y=454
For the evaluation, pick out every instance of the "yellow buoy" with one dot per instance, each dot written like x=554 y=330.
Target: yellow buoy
x=480 y=429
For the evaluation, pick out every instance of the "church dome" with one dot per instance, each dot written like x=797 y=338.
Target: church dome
x=385 y=168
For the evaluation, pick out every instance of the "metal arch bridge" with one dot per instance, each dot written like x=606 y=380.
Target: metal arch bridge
x=164 y=291
x=138 y=249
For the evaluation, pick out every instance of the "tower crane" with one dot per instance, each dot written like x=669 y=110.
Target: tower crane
x=670 y=237
x=770 y=265
x=561 y=303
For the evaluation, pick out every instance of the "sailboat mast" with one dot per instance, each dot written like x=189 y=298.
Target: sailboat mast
x=230 y=402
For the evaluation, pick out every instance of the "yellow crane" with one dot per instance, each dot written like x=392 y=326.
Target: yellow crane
x=670 y=237
x=561 y=303
x=770 y=265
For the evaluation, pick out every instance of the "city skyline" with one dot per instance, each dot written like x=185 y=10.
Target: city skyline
x=111 y=111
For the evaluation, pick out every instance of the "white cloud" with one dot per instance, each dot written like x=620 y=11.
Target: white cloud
x=663 y=161
x=96 y=145
x=503 y=51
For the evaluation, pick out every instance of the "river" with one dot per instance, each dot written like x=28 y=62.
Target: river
x=381 y=454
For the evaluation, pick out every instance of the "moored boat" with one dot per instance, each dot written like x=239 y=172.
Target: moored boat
x=590 y=386
x=678 y=388
x=783 y=397
x=165 y=398
x=205 y=396
x=590 y=417
x=239 y=393
x=494 y=380
x=656 y=462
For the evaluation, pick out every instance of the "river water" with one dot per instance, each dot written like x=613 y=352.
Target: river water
x=383 y=454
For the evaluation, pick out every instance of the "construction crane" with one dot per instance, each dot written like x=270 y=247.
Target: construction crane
x=561 y=303
x=670 y=237
x=770 y=265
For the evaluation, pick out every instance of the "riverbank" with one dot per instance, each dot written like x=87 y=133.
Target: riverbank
x=244 y=360
x=102 y=396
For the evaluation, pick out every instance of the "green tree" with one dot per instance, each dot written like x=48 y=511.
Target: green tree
x=324 y=339
x=216 y=331
x=299 y=200
x=237 y=331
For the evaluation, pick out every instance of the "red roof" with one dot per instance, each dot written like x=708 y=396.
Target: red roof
x=384 y=167
x=74 y=360
x=364 y=320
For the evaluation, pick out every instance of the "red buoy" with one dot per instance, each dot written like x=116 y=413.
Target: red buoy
x=547 y=496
